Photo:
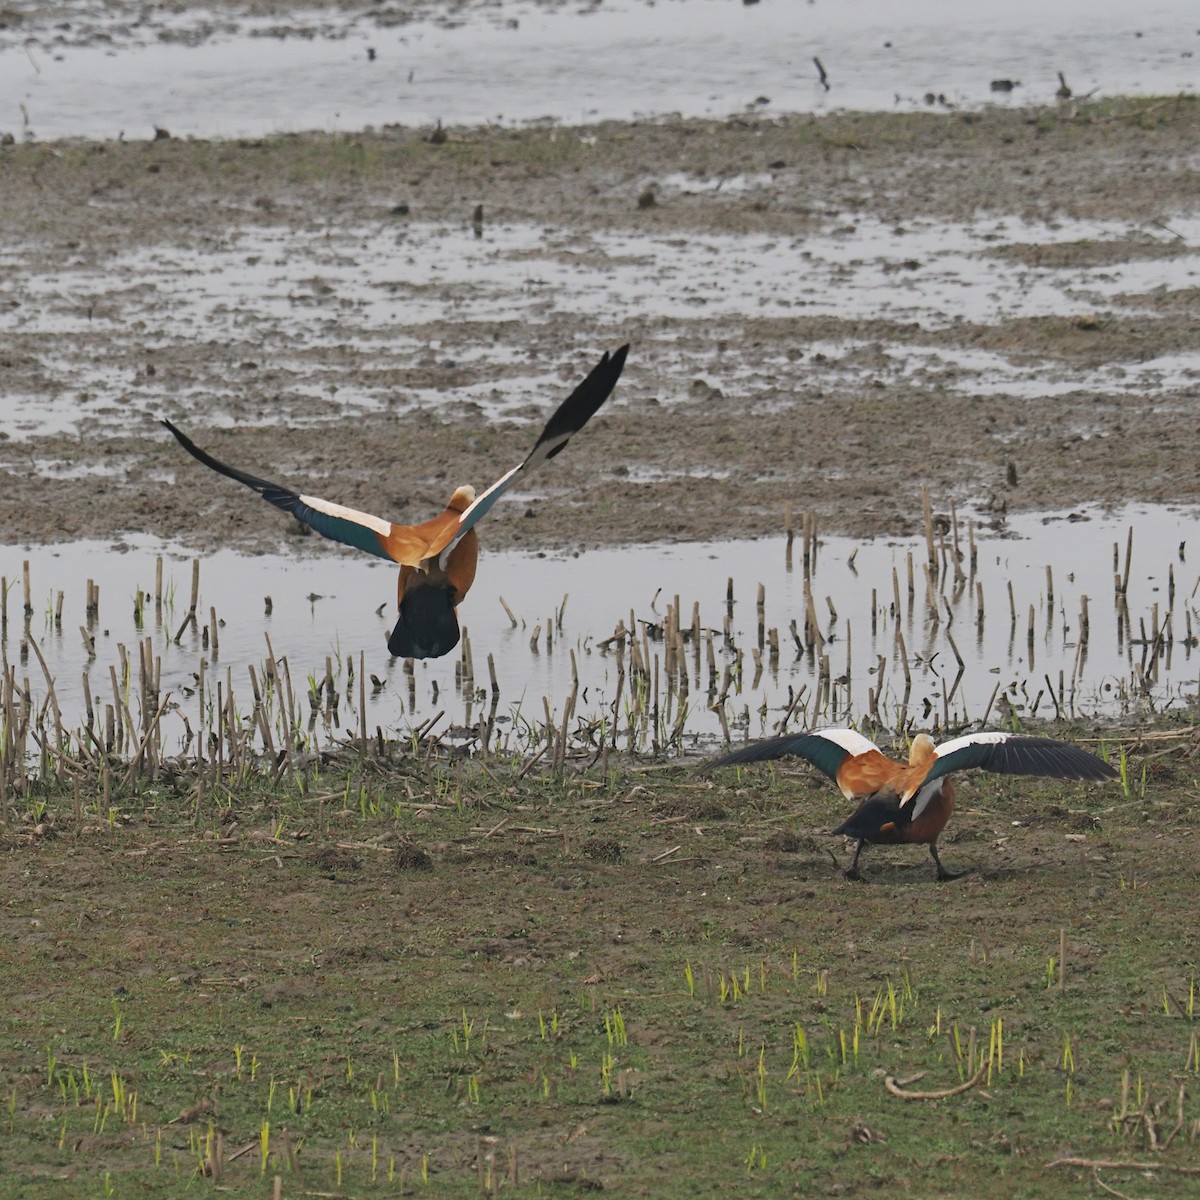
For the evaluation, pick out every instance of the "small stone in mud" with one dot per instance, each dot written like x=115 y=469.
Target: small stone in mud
x=647 y=199
x=400 y=210
x=161 y=134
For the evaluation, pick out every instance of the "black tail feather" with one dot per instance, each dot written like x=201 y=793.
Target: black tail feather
x=428 y=625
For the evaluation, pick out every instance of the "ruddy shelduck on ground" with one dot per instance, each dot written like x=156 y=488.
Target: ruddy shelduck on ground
x=438 y=557
x=911 y=802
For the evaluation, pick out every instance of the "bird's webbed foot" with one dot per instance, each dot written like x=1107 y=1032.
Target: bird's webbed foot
x=944 y=876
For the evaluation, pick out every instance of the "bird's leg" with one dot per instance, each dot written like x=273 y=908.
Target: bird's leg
x=852 y=871
x=942 y=874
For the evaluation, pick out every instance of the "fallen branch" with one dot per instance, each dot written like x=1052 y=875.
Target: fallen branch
x=1120 y=1164
x=892 y=1086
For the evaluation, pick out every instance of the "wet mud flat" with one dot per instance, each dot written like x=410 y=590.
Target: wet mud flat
x=825 y=312
x=505 y=974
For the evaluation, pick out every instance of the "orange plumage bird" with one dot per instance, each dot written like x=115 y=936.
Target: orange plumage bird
x=438 y=557
x=911 y=802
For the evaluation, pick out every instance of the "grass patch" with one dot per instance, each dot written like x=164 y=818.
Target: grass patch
x=588 y=987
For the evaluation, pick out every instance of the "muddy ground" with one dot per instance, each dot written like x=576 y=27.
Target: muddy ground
x=418 y=965
x=699 y=442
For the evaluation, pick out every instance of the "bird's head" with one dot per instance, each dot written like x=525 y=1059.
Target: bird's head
x=462 y=499
x=921 y=750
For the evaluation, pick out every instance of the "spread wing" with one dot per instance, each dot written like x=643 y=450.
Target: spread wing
x=413 y=544
x=346 y=525
x=1014 y=754
x=568 y=419
x=826 y=749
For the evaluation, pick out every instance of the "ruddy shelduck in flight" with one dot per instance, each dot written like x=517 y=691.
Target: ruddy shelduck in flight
x=911 y=802
x=438 y=557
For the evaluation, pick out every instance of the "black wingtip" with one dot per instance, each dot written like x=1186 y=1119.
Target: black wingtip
x=750 y=752
x=583 y=403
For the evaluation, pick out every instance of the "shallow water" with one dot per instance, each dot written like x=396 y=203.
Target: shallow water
x=516 y=62
x=339 y=606
x=370 y=292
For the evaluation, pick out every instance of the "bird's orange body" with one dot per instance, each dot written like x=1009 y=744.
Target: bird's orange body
x=871 y=771
x=906 y=803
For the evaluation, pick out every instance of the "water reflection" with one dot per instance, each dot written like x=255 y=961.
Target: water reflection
x=1083 y=614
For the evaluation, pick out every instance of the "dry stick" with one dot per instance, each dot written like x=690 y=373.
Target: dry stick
x=25 y=586
x=423 y=729
x=362 y=702
x=1119 y=1164
x=260 y=715
x=1062 y=959
x=529 y=765
x=958 y=658
x=1053 y=697
x=1179 y=1116
x=1128 y=558
x=904 y=661
x=892 y=1086
x=931 y=594
x=930 y=548
x=137 y=758
x=190 y=619
x=991 y=700
x=53 y=698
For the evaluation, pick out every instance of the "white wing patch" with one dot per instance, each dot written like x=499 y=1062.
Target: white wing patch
x=971 y=739
x=850 y=740
x=375 y=524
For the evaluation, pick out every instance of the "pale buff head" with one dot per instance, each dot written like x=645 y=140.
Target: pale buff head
x=921 y=750
x=462 y=499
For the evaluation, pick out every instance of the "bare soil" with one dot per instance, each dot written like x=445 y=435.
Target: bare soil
x=685 y=450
